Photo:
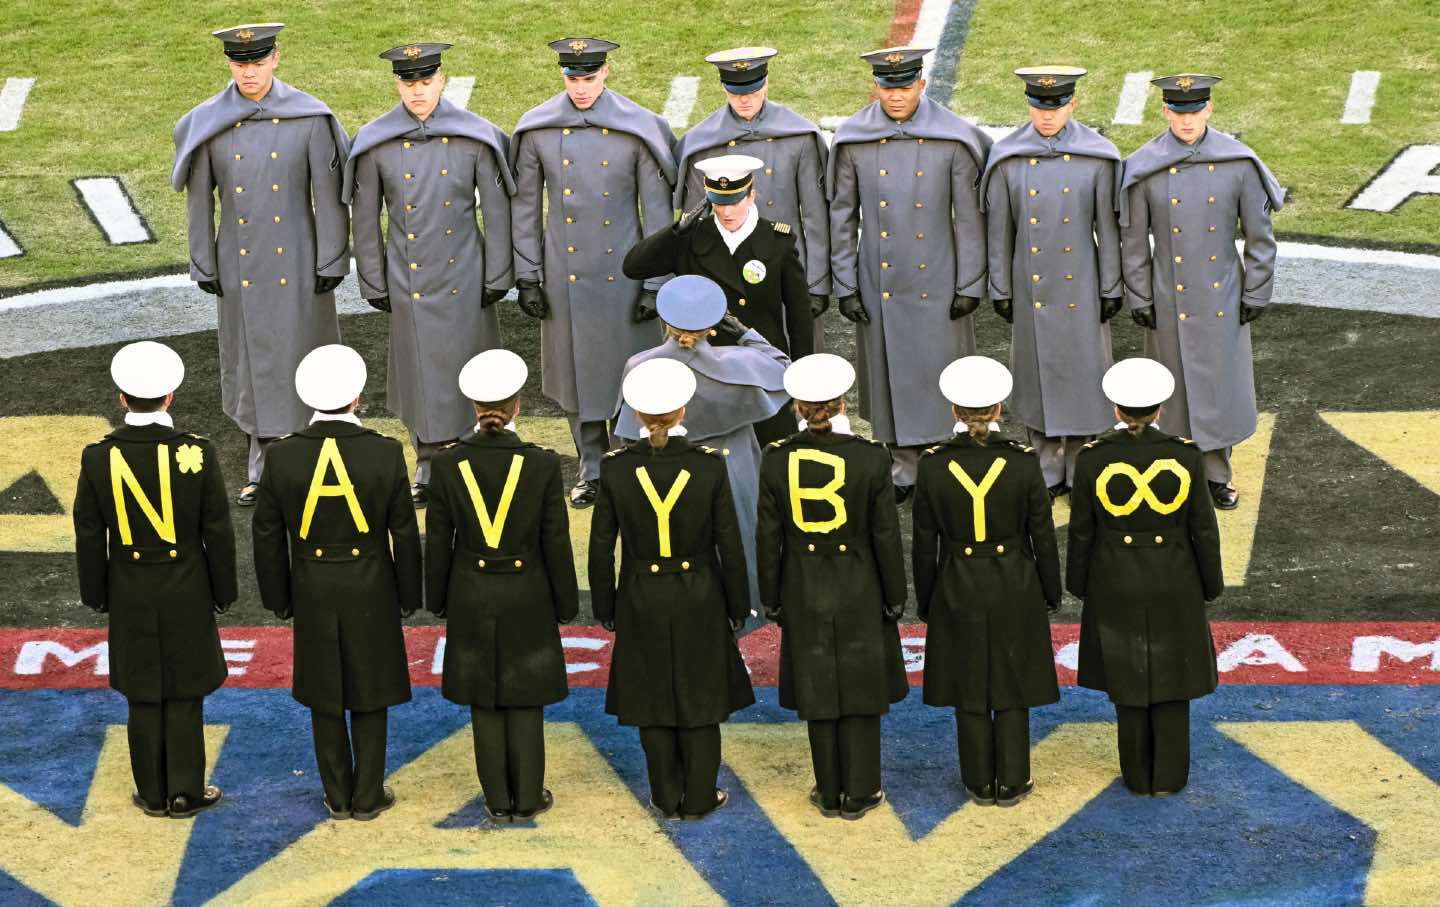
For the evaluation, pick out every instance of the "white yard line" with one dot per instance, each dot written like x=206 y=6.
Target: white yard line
x=9 y=248
x=12 y=102
x=1130 y=110
x=1363 y=85
x=681 y=102
x=458 y=89
x=112 y=210
x=929 y=26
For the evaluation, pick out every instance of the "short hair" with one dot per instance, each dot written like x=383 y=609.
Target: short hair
x=143 y=404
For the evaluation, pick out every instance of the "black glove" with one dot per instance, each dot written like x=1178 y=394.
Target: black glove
x=1005 y=309
x=690 y=218
x=646 y=307
x=851 y=309
x=221 y=607
x=893 y=612
x=736 y=624
x=382 y=304
x=210 y=286
x=284 y=613
x=1144 y=317
x=325 y=284
x=1109 y=307
x=729 y=329
x=489 y=297
x=608 y=625
x=773 y=614
x=961 y=306
x=1249 y=313
x=818 y=305
x=532 y=299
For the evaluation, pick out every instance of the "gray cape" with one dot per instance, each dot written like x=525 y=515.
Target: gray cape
x=1076 y=138
x=774 y=121
x=1165 y=149
x=611 y=110
x=221 y=112
x=931 y=121
x=445 y=119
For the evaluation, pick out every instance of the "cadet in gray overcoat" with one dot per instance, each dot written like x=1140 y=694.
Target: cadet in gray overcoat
x=1049 y=198
x=437 y=273
x=606 y=167
x=912 y=278
x=1187 y=189
x=274 y=154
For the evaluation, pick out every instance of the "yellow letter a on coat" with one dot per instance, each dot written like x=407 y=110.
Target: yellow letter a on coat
x=492 y=529
x=828 y=493
x=122 y=477
x=343 y=488
x=978 y=492
x=663 y=507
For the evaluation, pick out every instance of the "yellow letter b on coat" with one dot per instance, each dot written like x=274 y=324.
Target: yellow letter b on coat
x=828 y=493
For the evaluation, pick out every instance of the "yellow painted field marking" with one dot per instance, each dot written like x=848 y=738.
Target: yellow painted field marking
x=51 y=446
x=1356 y=773
x=1408 y=441
x=1070 y=766
x=1237 y=527
x=597 y=829
x=117 y=855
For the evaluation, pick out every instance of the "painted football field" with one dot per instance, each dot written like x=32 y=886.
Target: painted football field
x=1316 y=767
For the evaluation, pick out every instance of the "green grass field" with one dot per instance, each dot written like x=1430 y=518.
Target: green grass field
x=111 y=83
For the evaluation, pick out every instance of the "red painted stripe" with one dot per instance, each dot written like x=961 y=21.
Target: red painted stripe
x=1275 y=653
x=902 y=26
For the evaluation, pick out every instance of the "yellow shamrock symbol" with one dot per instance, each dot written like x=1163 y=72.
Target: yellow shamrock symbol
x=189 y=458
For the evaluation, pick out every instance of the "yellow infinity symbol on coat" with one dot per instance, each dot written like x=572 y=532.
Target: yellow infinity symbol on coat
x=1142 y=481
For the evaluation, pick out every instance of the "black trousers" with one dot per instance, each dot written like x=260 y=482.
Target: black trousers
x=684 y=765
x=1154 y=746
x=994 y=747
x=510 y=756
x=167 y=749
x=351 y=760
x=846 y=756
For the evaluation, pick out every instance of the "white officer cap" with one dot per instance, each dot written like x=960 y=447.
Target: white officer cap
x=493 y=376
x=330 y=376
x=728 y=177
x=976 y=382
x=146 y=369
x=819 y=378
x=1138 y=383
x=658 y=386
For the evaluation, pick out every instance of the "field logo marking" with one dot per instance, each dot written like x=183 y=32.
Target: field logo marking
x=12 y=102
x=49 y=446
x=112 y=210
x=1409 y=173
x=1406 y=441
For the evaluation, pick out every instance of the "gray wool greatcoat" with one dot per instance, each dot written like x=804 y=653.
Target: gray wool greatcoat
x=1188 y=198
x=1054 y=248
x=435 y=262
x=923 y=241
x=603 y=179
x=277 y=168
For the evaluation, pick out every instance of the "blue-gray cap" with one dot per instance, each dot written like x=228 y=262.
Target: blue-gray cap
x=896 y=67
x=743 y=69
x=1185 y=93
x=246 y=43
x=1049 y=87
x=581 y=56
x=691 y=303
x=413 y=62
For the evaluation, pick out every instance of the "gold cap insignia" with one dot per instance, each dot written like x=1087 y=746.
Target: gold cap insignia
x=895 y=58
x=244 y=34
x=742 y=64
x=724 y=182
x=412 y=51
x=579 y=46
x=1045 y=82
x=1184 y=83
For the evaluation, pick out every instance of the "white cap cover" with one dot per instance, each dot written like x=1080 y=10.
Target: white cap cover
x=493 y=376
x=819 y=378
x=732 y=167
x=976 y=382
x=1138 y=383
x=330 y=376
x=658 y=386
x=146 y=369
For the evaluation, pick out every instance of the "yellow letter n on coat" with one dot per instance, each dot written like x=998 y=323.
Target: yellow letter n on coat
x=342 y=488
x=662 y=506
x=123 y=477
x=1142 y=494
x=828 y=493
x=978 y=492
x=492 y=529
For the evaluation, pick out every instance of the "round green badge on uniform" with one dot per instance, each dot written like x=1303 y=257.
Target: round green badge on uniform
x=754 y=270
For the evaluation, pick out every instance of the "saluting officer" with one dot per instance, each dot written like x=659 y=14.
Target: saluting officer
x=274 y=154
x=436 y=273
x=790 y=185
x=986 y=571
x=337 y=548
x=832 y=574
x=1048 y=193
x=155 y=550
x=606 y=167
x=1186 y=189
x=677 y=672
x=499 y=569
x=752 y=259
x=911 y=279
x=1144 y=555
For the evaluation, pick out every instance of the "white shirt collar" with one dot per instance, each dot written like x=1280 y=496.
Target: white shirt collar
x=839 y=424
x=335 y=417
x=509 y=426
x=962 y=429
x=733 y=240
x=159 y=417
x=678 y=431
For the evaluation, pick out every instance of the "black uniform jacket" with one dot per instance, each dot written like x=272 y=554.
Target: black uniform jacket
x=1144 y=554
x=498 y=566
x=348 y=572
x=154 y=546
x=830 y=559
x=986 y=565
x=681 y=581
x=777 y=304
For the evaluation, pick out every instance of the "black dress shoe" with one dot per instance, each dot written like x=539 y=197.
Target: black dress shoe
x=499 y=815
x=904 y=493
x=1059 y=490
x=663 y=814
x=336 y=814
x=1225 y=496
x=985 y=796
x=155 y=812
x=247 y=495
x=547 y=800
x=1162 y=794
x=827 y=809
x=365 y=815
x=418 y=497
x=183 y=807
x=584 y=494
x=721 y=798
x=854 y=807
x=1005 y=795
